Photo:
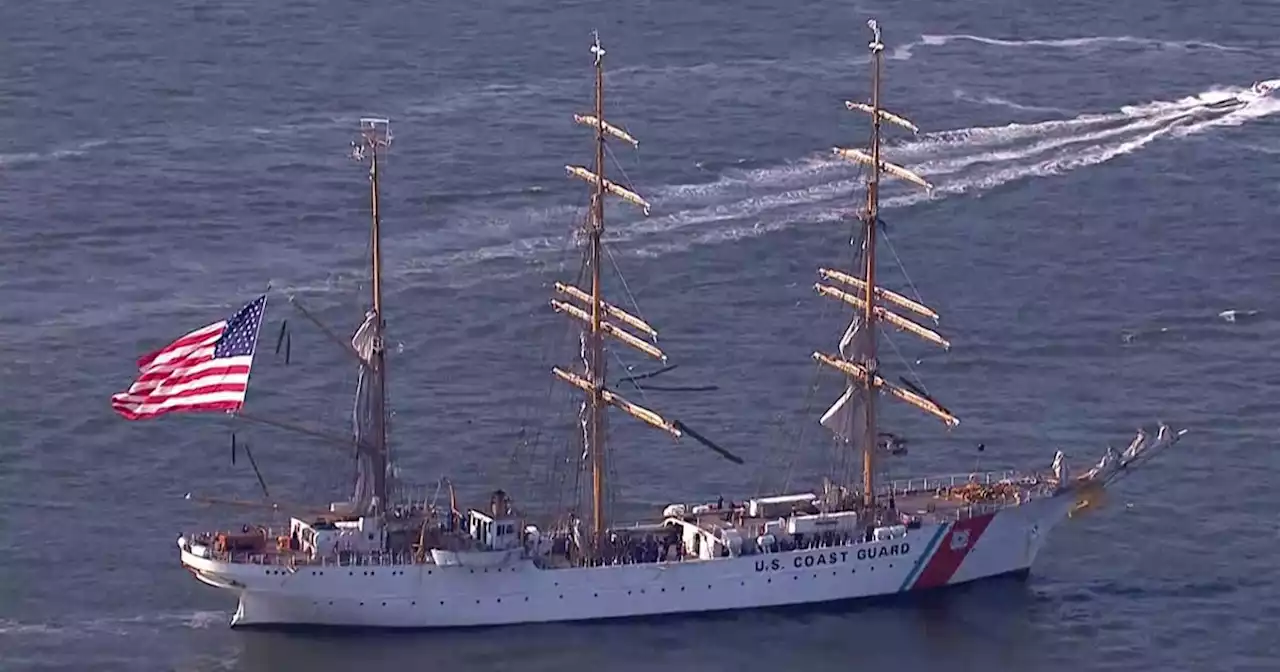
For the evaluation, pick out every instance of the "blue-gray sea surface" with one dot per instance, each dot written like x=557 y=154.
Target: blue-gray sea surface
x=162 y=162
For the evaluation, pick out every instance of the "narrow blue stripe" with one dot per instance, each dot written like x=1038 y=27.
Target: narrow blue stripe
x=928 y=551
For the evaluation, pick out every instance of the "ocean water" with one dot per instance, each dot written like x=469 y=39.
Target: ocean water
x=1101 y=247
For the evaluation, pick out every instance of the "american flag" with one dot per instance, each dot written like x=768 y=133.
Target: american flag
x=205 y=370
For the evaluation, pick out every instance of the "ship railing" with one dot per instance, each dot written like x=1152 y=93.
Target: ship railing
x=934 y=483
x=327 y=560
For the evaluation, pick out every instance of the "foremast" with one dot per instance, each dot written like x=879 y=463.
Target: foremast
x=853 y=417
x=368 y=342
x=595 y=324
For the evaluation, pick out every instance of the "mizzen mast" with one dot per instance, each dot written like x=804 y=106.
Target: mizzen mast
x=593 y=315
x=375 y=138
x=853 y=416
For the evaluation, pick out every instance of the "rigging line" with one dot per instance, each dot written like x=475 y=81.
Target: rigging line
x=839 y=458
x=622 y=278
x=624 y=366
x=901 y=267
x=888 y=337
x=788 y=460
x=552 y=479
x=567 y=336
x=543 y=486
x=570 y=453
x=563 y=338
x=614 y=157
x=563 y=255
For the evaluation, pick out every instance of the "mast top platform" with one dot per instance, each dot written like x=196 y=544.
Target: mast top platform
x=876 y=44
x=596 y=49
x=375 y=134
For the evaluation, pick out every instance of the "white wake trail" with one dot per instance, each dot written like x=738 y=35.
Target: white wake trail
x=1079 y=42
x=744 y=204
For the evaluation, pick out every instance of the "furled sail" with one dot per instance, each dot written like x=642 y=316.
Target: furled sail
x=363 y=339
x=1138 y=444
x=583 y=413
x=1060 y=471
x=361 y=421
x=362 y=415
x=846 y=417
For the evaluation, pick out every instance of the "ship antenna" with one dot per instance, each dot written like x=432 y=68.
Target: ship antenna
x=375 y=139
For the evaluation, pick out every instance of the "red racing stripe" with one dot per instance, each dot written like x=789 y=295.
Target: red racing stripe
x=952 y=550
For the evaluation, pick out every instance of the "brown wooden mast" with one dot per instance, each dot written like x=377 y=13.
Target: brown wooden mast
x=600 y=318
x=862 y=366
x=869 y=275
x=375 y=137
x=595 y=338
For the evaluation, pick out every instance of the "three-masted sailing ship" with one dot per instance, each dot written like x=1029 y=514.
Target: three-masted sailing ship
x=381 y=562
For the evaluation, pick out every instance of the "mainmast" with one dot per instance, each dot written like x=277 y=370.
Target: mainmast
x=375 y=138
x=595 y=339
x=869 y=275
x=595 y=324
x=853 y=416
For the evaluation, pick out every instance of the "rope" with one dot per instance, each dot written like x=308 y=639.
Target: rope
x=901 y=266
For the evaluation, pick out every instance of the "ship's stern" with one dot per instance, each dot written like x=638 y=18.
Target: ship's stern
x=197 y=559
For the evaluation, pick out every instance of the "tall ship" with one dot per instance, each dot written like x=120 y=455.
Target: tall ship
x=386 y=559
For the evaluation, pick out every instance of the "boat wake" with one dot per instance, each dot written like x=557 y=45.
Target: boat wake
x=1080 y=42
x=114 y=626
x=958 y=162
x=749 y=203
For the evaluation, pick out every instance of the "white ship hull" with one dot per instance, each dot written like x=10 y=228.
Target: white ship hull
x=431 y=596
